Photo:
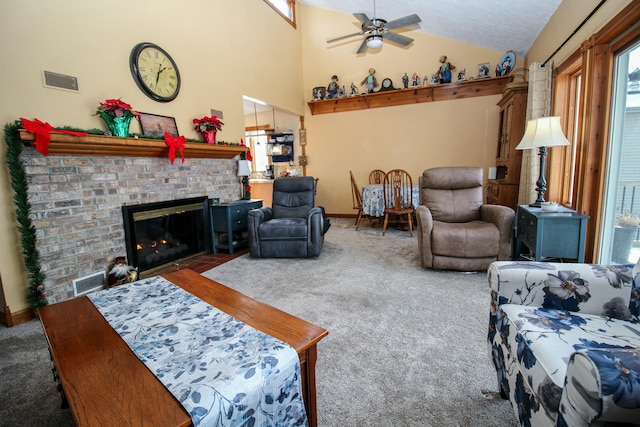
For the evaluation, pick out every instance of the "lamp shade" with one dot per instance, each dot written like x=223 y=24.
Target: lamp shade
x=543 y=132
x=374 y=42
x=244 y=168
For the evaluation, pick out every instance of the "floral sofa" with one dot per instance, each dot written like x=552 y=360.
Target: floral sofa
x=565 y=341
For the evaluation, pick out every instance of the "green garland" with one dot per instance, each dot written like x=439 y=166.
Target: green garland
x=35 y=291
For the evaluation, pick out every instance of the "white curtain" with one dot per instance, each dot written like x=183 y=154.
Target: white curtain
x=538 y=105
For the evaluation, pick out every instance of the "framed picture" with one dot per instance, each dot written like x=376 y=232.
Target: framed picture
x=153 y=124
x=319 y=93
x=506 y=63
x=483 y=70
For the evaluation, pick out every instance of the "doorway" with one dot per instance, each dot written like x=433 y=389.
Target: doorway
x=621 y=221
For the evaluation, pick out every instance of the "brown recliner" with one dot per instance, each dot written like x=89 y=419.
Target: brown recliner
x=456 y=231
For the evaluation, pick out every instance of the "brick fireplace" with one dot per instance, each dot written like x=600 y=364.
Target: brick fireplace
x=76 y=205
x=164 y=233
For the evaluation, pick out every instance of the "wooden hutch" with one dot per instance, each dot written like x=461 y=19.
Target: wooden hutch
x=503 y=190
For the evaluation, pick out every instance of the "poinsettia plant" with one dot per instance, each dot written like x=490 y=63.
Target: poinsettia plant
x=116 y=108
x=208 y=123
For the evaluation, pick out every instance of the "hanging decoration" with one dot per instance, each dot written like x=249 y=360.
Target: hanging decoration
x=36 y=289
x=173 y=143
x=245 y=179
x=42 y=131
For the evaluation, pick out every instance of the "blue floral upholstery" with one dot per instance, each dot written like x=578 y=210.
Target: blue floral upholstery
x=565 y=341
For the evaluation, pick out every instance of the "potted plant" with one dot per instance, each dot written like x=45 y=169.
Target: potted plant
x=208 y=127
x=117 y=114
x=624 y=234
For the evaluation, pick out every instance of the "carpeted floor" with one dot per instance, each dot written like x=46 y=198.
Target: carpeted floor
x=27 y=390
x=406 y=346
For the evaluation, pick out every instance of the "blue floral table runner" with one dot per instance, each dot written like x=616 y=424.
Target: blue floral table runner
x=223 y=371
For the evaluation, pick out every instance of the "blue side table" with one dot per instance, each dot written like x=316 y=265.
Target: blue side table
x=548 y=235
x=229 y=224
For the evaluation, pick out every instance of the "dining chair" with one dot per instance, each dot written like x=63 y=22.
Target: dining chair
x=356 y=196
x=398 y=199
x=376 y=176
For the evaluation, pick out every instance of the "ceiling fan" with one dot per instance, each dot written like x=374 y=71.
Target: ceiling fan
x=377 y=29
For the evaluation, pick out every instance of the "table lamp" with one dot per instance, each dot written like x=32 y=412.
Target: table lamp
x=244 y=170
x=542 y=133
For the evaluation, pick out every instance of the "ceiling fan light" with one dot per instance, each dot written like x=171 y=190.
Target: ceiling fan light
x=374 y=42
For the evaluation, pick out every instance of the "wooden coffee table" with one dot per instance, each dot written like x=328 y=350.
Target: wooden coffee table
x=105 y=383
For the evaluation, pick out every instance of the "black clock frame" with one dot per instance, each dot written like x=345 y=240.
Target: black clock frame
x=388 y=88
x=135 y=72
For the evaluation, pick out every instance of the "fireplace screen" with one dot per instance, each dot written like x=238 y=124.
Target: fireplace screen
x=158 y=234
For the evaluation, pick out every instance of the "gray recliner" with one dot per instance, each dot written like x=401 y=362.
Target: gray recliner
x=293 y=227
x=456 y=230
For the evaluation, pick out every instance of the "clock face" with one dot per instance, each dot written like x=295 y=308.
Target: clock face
x=386 y=83
x=155 y=72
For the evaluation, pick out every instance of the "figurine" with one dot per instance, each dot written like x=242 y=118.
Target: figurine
x=341 y=92
x=120 y=272
x=435 y=79
x=415 y=80
x=461 y=75
x=483 y=71
x=445 y=70
x=332 y=88
x=354 y=90
x=318 y=93
x=370 y=82
x=405 y=81
x=425 y=80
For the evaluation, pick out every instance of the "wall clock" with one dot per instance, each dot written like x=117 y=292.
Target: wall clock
x=155 y=72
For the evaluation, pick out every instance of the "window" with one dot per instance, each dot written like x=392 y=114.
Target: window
x=286 y=8
x=583 y=95
x=562 y=162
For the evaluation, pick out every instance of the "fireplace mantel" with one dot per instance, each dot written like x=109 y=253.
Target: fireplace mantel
x=99 y=145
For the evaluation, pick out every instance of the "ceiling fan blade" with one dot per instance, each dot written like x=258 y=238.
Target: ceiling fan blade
x=403 y=22
x=359 y=33
x=363 y=47
x=363 y=18
x=397 y=38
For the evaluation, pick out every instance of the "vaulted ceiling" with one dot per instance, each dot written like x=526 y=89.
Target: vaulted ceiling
x=494 y=24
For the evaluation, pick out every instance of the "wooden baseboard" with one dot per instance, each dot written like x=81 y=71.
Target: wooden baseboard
x=342 y=215
x=13 y=319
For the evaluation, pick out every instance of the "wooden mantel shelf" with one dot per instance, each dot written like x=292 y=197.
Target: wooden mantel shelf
x=442 y=92
x=99 y=145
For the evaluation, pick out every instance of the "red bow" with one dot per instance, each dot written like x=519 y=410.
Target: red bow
x=173 y=143
x=42 y=131
x=248 y=154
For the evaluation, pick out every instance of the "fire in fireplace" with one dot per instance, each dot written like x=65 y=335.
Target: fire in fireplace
x=162 y=233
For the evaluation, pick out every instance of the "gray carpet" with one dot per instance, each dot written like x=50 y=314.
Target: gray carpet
x=406 y=346
x=27 y=391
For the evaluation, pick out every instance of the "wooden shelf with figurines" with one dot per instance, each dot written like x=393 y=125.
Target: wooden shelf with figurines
x=412 y=95
x=440 y=87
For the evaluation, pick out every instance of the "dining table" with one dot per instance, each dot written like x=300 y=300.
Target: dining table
x=373 y=199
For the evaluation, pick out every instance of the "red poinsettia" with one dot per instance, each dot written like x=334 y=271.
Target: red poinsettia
x=207 y=123
x=116 y=108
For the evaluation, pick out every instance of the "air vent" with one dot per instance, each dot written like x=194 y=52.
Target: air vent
x=60 y=81
x=90 y=283
x=218 y=113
